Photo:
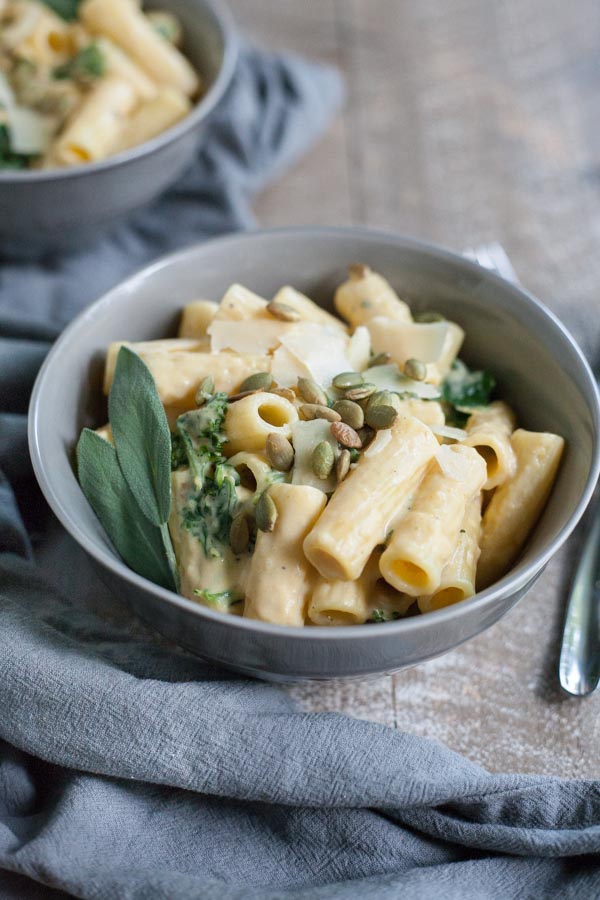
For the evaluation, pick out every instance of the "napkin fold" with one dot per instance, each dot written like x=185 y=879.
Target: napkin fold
x=130 y=769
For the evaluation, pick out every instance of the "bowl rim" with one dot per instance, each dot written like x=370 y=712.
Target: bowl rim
x=226 y=25
x=509 y=585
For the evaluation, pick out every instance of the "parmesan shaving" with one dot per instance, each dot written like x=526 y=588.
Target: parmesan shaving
x=359 y=349
x=403 y=340
x=381 y=440
x=321 y=349
x=286 y=369
x=446 y=431
x=390 y=378
x=453 y=464
x=256 y=336
x=30 y=133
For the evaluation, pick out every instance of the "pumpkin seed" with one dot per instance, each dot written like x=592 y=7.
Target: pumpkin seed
x=342 y=465
x=287 y=393
x=260 y=381
x=309 y=411
x=205 y=390
x=384 y=398
x=345 y=435
x=265 y=513
x=233 y=398
x=346 y=380
x=381 y=359
x=279 y=452
x=350 y=412
x=239 y=534
x=311 y=392
x=322 y=460
x=381 y=416
x=429 y=315
x=283 y=312
x=415 y=369
x=358 y=270
x=361 y=392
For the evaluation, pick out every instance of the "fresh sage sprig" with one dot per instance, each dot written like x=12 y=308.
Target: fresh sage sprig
x=129 y=485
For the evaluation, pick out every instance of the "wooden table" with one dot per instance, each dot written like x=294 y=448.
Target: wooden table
x=466 y=121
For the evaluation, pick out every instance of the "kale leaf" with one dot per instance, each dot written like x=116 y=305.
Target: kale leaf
x=86 y=66
x=219 y=599
x=464 y=389
x=66 y=9
x=209 y=510
x=8 y=159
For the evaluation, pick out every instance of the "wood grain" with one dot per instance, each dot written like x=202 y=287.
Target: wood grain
x=466 y=122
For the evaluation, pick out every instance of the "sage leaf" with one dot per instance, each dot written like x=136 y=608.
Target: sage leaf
x=141 y=435
x=140 y=543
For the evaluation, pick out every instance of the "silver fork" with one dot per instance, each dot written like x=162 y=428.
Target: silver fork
x=579 y=665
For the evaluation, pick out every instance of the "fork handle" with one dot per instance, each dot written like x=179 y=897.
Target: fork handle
x=579 y=666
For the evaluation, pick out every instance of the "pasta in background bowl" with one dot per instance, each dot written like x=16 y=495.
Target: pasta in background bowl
x=541 y=373
x=100 y=111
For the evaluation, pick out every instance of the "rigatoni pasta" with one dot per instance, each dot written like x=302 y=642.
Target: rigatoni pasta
x=329 y=474
x=76 y=92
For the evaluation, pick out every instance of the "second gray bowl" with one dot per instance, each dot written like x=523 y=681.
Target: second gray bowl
x=64 y=208
x=539 y=369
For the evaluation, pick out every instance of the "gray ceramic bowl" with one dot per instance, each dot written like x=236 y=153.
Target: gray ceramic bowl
x=63 y=208
x=539 y=368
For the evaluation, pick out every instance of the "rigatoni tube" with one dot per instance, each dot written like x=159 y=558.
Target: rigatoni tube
x=458 y=575
x=516 y=505
x=364 y=505
x=93 y=132
x=281 y=579
x=488 y=431
x=154 y=116
x=423 y=540
x=366 y=294
x=126 y=24
x=252 y=419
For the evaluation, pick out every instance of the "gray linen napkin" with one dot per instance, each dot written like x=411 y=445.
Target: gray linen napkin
x=128 y=768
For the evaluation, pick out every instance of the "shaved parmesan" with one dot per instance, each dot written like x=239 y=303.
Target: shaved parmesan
x=239 y=304
x=406 y=340
x=390 y=378
x=252 y=336
x=446 y=431
x=321 y=349
x=286 y=369
x=453 y=464
x=359 y=349
x=305 y=437
x=382 y=438
x=307 y=309
x=30 y=133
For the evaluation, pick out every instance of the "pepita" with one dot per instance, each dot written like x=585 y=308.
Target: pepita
x=350 y=412
x=381 y=416
x=309 y=411
x=345 y=435
x=381 y=359
x=346 y=380
x=205 y=390
x=265 y=513
x=279 y=452
x=239 y=534
x=260 y=381
x=283 y=312
x=342 y=465
x=287 y=393
x=415 y=369
x=323 y=460
x=311 y=392
x=233 y=398
x=361 y=392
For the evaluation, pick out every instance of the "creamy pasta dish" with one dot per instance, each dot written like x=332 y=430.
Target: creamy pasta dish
x=337 y=471
x=81 y=80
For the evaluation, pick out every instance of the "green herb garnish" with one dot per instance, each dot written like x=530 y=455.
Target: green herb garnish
x=66 y=9
x=129 y=485
x=220 y=599
x=209 y=510
x=383 y=615
x=464 y=390
x=86 y=66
